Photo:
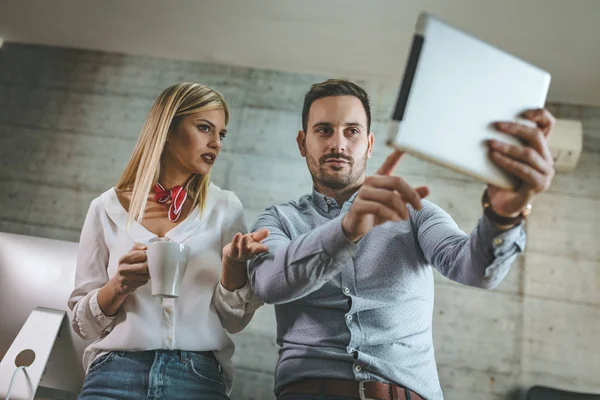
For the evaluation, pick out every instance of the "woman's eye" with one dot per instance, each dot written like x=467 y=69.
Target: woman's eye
x=222 y=135
x=204 y=128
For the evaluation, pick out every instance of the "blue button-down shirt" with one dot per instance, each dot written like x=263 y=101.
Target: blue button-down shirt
x=364 y=311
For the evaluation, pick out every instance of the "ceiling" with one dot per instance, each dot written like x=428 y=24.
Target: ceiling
x=350 y=38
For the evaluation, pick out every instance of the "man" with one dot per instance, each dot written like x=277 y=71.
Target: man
x=349 y=267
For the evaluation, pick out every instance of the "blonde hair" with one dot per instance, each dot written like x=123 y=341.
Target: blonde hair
x=142 y=171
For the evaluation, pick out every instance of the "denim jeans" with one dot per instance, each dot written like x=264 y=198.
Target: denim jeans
x=152 y=375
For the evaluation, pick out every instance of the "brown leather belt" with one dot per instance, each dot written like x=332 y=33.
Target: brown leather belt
x=352 y=389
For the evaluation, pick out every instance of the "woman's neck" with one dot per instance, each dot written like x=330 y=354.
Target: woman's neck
x=171 y=177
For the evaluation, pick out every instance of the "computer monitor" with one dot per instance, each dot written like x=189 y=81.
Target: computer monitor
x=37 y=272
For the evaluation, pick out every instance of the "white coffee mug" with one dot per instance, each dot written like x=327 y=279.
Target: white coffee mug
x=167 y=262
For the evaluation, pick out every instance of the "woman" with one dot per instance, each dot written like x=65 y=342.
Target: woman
x=145 y=347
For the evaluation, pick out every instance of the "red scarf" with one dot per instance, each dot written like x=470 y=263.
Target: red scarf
x=177 y=196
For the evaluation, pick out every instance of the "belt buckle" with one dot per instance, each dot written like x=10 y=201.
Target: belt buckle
x=361 y=391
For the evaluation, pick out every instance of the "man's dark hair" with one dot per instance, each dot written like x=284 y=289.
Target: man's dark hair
x=335 y=87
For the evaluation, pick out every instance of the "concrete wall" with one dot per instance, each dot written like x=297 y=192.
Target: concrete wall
x=68 y=123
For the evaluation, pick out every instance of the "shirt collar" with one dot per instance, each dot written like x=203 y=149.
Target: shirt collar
x=139 y=233
x=328 y=203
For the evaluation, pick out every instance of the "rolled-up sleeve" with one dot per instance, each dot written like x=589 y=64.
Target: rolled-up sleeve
x=481 y=259
x=235 y=309
x=92 y=260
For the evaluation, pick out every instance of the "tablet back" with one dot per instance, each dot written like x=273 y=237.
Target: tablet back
x=454 y=86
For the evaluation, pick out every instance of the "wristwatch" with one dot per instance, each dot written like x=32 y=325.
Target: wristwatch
x=499 y=219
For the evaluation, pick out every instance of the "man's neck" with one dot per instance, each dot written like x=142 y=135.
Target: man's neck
x=340 y=195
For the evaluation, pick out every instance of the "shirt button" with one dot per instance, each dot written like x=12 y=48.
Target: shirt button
x=346 y=290
x=351 y=349
x=498 y=241
x=326 y=208
x=357 y=368
x=169 y=338
x=328 y=201
x=349 y=317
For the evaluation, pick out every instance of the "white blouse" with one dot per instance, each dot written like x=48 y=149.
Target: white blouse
x=197 y=320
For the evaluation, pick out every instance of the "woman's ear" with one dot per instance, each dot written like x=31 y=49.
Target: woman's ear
x=172 y=127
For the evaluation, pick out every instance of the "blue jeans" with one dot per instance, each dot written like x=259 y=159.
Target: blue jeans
x=151 y=375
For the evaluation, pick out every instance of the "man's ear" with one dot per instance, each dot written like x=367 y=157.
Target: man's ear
x=371 y=140
x=301 y=140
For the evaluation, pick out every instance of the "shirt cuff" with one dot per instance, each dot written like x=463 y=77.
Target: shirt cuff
x=503 y=241
x=503 y=246
x=334 y=241
x=103 y=319
x=242 y=298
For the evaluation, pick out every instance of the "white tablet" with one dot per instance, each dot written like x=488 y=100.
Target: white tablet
x=454 y=87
